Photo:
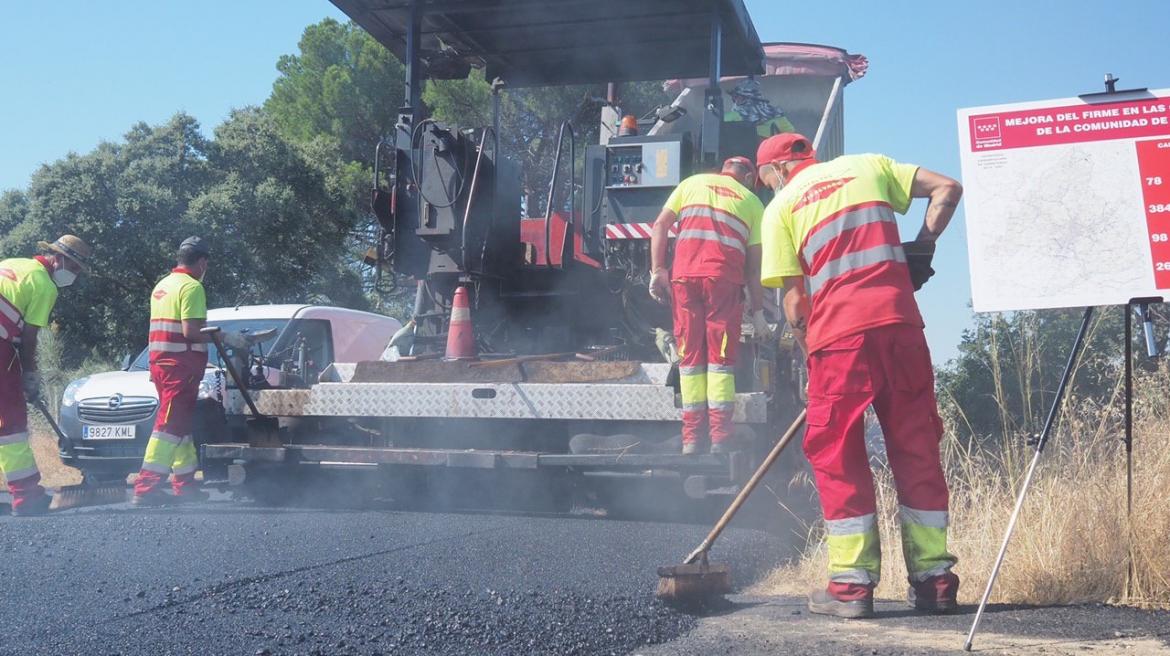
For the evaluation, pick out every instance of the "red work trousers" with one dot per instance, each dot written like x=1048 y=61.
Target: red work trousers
x=171 y=450
x=708 y=314
x=887 y=367
x=16 y=457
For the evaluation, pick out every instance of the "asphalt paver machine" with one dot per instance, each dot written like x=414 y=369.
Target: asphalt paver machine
x=571 y=280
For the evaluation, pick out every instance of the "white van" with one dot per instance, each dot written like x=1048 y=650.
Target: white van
x=108 y=417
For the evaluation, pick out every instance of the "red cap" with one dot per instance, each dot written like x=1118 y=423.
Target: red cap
x=786 y=147
x=742 y=161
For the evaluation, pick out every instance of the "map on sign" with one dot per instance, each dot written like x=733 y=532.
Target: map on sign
x=1067 y=201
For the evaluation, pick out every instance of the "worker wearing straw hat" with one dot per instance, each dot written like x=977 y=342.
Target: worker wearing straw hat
x=28 y=291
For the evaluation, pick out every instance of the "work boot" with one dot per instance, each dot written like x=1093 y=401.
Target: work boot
x=823 y=602
x=190 y=496
x=937 y=594
x=152 y=499
x=34 y=507
x=722 y=448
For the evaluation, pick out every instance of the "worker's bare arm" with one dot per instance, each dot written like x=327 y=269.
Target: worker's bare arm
x=944 y=194
x=659 y=238
x=28 y=348
x=797 y=309
x=191 y=328
x=754 y=288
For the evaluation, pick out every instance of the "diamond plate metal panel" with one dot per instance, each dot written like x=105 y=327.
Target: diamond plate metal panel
x=498 y=401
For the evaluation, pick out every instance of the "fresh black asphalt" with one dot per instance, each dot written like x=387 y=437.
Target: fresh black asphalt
x=230 y=577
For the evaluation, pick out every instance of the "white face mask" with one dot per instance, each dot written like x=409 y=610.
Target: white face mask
x=63 y=277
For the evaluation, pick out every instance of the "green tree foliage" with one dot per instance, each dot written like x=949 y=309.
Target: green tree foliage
x=1004 y=379
x=342 y=87
x=276 y=231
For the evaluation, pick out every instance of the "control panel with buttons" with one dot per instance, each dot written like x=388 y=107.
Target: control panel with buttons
x=652 y=163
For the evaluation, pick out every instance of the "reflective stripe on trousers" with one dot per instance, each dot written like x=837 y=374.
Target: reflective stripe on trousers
x=924 y=542
x=164 y=455
x=708 y=314
x=855 y=552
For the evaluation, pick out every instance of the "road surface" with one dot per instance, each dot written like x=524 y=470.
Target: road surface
x=230 y=577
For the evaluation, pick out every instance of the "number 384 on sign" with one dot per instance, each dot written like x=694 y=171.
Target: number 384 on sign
x=1158 y=208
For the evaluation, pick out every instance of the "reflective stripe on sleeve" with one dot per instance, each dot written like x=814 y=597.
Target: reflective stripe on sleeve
x=711 y=235
x=853 y=261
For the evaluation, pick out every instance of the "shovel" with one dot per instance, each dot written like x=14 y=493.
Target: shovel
x=696 y=581
x=263 y=431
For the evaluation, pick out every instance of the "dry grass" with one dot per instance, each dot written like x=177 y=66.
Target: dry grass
x=1072 y=540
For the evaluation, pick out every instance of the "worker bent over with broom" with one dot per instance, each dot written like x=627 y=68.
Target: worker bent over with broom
x=718 y=240
x=28 y=292
x=831 y=239
x=178 y=358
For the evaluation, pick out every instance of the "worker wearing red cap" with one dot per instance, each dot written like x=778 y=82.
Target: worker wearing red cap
x=830 y=238
x=28 y=292
x=718 y=242
x=178 y=358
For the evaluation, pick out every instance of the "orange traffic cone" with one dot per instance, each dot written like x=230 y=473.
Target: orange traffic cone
x=460 y=339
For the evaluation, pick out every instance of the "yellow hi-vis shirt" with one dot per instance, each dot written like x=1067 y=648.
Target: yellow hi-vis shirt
x=27 y=295
x=718 y=219
x=177 y=297
x=834 y=224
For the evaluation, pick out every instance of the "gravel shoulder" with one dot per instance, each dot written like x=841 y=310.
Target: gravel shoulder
x=755 y=626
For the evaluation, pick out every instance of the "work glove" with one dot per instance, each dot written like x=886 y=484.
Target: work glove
x=660 y=286
x=919 y=255
x=31 y=381
x=760 y=328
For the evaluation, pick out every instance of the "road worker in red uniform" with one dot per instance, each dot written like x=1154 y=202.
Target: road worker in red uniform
x=28 y=292
x=178 y=358
x=716 y=252
x=830 y=238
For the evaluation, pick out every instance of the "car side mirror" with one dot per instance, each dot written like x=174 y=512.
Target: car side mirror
x=127 y=360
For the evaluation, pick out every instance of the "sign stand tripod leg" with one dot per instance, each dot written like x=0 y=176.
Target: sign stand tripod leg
x=1043 y=439
x=1143 y=309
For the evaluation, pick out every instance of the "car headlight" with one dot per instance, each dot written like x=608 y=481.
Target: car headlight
x=69 y=396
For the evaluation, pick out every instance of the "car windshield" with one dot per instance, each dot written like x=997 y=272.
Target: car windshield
x=142 y=362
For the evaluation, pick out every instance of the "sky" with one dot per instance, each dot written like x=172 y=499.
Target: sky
x=77 y=72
